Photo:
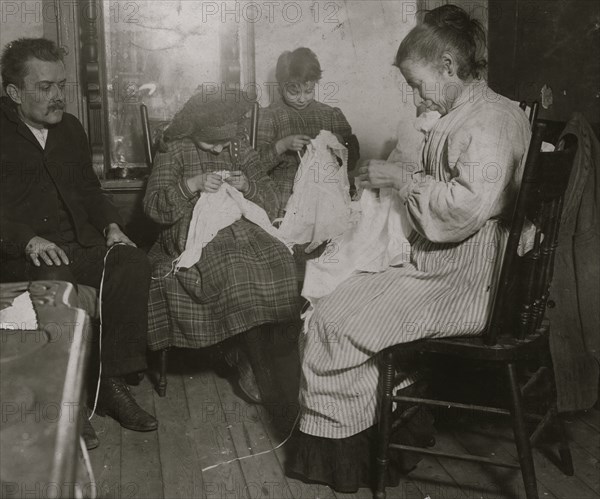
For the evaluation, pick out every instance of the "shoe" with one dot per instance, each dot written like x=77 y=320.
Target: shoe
x=89 y=434
x=116 y=400
x=133 y=379
x=245 y=380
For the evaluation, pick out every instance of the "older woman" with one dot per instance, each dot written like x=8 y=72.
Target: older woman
x=457 y=204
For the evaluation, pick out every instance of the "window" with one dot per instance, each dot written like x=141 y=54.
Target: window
x=157 y=54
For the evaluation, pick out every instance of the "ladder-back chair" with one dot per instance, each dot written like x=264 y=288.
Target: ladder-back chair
x=517 y=332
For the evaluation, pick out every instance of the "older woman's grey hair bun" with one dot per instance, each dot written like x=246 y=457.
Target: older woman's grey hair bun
x=447 y=28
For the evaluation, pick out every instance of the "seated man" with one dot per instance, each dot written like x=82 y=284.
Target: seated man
x=55 y=223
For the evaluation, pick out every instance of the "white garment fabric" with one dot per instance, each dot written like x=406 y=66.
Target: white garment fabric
x=377 y=236
x=319 y=207
x=376 y=240
x=215 y=211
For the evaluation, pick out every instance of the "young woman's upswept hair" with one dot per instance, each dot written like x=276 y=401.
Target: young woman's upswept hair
x=447 y=29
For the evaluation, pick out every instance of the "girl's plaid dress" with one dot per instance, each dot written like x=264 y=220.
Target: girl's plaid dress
x=244 y=278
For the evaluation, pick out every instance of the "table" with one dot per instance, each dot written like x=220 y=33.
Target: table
x=41 y=390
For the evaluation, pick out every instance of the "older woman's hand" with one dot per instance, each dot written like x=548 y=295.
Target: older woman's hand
x=377 y=173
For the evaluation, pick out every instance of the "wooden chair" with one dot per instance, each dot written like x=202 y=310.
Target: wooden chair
x=161 y=387
x=517 y=332
x=151 y=132
x=533 y=110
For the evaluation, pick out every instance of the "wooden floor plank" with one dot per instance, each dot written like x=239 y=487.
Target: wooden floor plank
x=430 y=479
x=140 y=455
x=585 y=436
x=280 y=418
x=263 y=473
x=475 y=479
x=591 y=418
x=287 y=417
x=211 y=436
x=478 y=439
x=202 y=421
x=549 y=477
x=181 y=469
x=106 y=459
x=587 y=467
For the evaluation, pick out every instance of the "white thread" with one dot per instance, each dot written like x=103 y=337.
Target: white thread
x=100 y=335
x=88 y=466
x=172 y=271
x=255 y=455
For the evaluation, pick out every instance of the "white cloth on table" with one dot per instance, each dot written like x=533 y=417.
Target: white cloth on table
x=20 y=314
x=319 y=207
x=215 y=211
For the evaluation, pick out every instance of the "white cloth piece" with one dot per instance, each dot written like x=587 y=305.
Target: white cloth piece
x=319 y=207
x=527 y=239
x=20 y=314
x=215 y=211
x=377 y=236
x=377 y=240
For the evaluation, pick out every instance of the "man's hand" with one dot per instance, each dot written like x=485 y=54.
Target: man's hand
x=292 y=143
x=205 y=182
x=39 y=248
x=115 y=235
x=238 y=180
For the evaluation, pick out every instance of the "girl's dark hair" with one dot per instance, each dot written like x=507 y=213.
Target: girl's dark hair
x=17 y=53
x=447 y=29
x=299 y=66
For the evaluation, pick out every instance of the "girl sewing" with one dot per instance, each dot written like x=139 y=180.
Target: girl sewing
x=288 y=125
x=245 y=278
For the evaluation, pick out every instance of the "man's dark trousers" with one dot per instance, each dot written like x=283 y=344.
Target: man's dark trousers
x=124 y=297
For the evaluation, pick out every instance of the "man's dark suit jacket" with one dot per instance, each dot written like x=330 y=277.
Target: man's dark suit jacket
x=33 y=181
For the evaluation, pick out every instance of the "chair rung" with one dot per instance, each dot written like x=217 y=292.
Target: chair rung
x=448 y=405
x=533 y=380
x=463 y=457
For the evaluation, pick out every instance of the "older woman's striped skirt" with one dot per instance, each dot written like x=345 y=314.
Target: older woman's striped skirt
x=446 y=290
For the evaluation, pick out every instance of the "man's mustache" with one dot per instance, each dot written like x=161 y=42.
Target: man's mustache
x=55 y=106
